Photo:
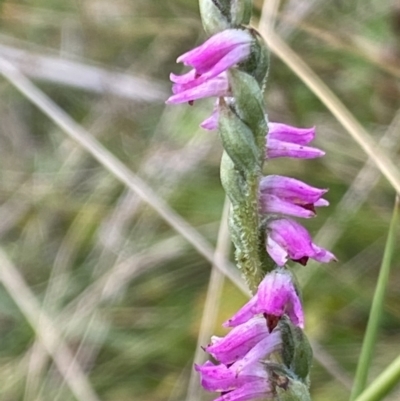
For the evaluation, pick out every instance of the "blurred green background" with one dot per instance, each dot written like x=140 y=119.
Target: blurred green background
x=123 y=291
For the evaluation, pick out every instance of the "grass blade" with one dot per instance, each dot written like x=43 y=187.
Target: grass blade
x=45 y=330
x=376 y=310
x=381 y=386
x=211 y=305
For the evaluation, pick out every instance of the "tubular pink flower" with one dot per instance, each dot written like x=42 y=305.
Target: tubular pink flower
x=188 y=92
x=287 y=141
x=247 y=378
x=282 y=140
x=220 y=377
x=220 y=52
x=276 y=296
x=284 y=195
x=287 y=239
x=259 y=352
x=210 y=61
x=238 y=342
x=275 y=204
x=287 y=133
x=275 y=149
x=223 y=378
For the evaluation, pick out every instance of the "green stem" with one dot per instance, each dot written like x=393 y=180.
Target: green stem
x=374 y=317
x=381 y=386
x=245 y=217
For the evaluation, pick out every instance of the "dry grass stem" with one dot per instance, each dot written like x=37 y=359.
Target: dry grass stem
x=353 y=199
x=269 y=14
x=45 y=330
x=329 y=99
x=211 y=305
x=116 y=167
x=82 y=76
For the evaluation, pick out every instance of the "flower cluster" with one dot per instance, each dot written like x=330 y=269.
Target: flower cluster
x=283 y=196
x=279 y=196
x=266 y=353
x=243 y=355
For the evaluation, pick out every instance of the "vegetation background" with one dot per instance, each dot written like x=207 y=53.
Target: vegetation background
x=101 y=299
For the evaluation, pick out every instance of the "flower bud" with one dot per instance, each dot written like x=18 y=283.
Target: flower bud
x=296 y=350
x=218 y=15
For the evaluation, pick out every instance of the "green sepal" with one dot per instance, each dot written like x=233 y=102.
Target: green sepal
x=232 y=180
x=285 y=386
x=267 y=263
x=240 y=11
x=293 y=391
x=234 y=229
x=296 y=350
x=215 y=16
x=238 y=140
x=249 y=106
x=257 y=64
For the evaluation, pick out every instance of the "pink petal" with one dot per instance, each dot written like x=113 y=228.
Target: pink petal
x=277 y=295
x=204 y=57
x=239 y=341
x=274 y=204
x=213 y=87
x=235 y=56
x=287 y=133
x=290 y=189
x=257 y=390
x=259 y=352
x=183 y=79
x=293 y=239
x=276 y=148
x=243 y=314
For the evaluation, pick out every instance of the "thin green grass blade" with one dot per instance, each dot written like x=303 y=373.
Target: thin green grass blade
x=376 y=311
x=381 y=386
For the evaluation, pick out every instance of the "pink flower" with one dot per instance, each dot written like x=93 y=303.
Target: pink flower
x=245 y=366
x=287 y=239
x=210 y=61
x=239 y=341
x=247 y=378
x=188 y=92
x=276 y=296
x=287 y=141
x=282 y=140
x=252 y=382
x=284 y=195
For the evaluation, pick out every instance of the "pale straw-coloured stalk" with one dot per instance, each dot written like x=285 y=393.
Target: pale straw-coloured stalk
x=115 y=166
x=336 y=107
x=46 y=331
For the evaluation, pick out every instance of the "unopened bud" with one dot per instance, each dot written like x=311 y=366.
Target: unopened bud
x=296 y=350
x=218 y=15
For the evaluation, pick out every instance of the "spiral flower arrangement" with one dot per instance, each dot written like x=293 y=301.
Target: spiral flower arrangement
x=266 y=355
